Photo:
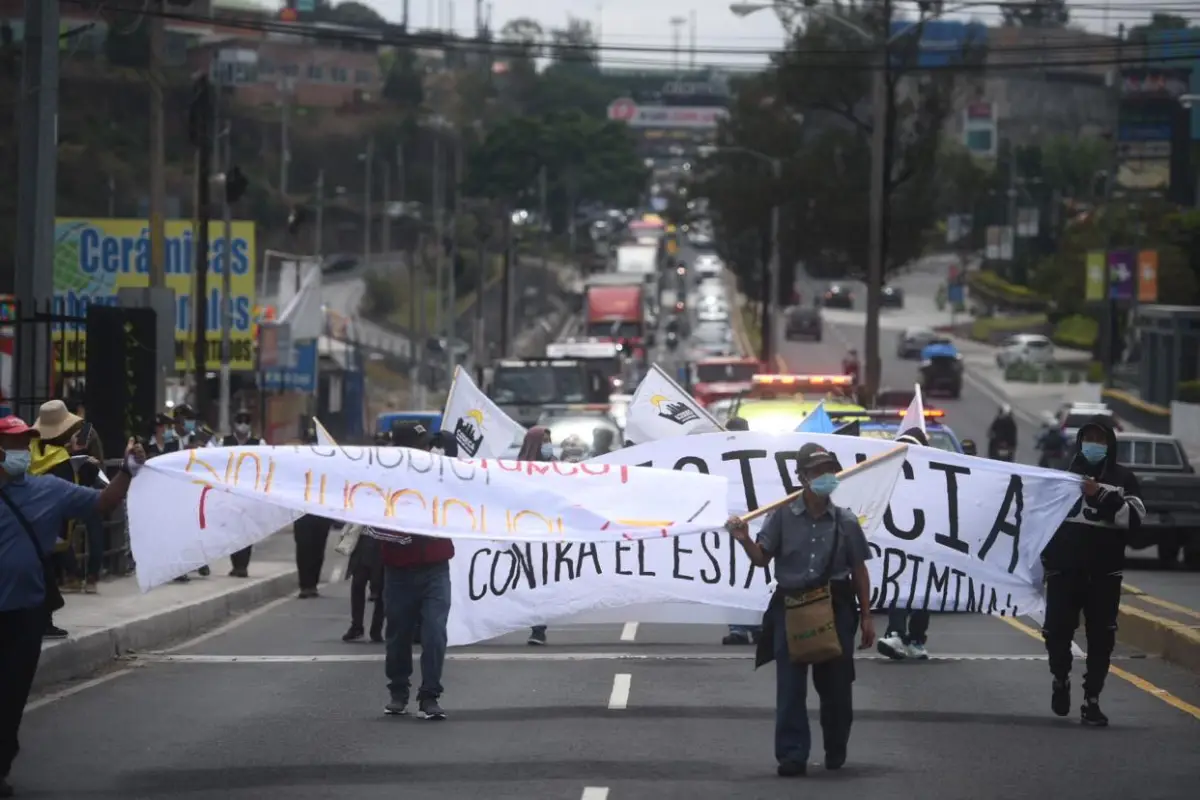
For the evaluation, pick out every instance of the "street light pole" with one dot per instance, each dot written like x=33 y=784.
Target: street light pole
x=877 y=221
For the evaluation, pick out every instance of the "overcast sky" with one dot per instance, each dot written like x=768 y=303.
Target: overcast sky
x=647 y=23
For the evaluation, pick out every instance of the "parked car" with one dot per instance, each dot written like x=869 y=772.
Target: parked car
x=1025 y=348
x=838 y=296
x=913 y=340
x=803 y=323
x=1170 y=492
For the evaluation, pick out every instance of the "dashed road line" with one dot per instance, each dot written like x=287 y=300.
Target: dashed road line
x=629 y=632
x=619 y=699
x=595 y=793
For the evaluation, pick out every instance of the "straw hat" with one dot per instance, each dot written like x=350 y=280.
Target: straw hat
x=54 y=419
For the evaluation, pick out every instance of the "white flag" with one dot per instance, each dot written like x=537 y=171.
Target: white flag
x=478 y=425
x=660 y=409
x=914 y=417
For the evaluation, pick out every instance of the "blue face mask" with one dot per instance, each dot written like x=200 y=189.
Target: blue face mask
x=16 y=462
x=824 y=485
x=169 y=435
x=1093 y=452
x=547 y=451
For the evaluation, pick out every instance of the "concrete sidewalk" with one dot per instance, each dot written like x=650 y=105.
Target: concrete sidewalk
x=120 y=618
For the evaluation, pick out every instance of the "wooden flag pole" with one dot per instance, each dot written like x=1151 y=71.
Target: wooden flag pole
x=870 y=462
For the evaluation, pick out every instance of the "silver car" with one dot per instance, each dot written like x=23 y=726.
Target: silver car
x=913 y=340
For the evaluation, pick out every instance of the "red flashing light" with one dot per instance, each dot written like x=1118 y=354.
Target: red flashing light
x=288 y=15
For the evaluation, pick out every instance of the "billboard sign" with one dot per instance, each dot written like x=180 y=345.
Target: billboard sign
x=642 y=116
x=95 y=258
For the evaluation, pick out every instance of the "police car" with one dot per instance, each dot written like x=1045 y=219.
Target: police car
x=885 y=424
x=778 y=403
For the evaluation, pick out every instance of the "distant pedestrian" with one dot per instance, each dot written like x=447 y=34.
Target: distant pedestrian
x=416 y=589
x=537 y=447
x=242 y=437
x=366 y=583
x=740 y=634
x=820 y=556
x=33 y=509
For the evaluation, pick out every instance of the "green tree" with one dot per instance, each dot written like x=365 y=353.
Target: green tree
x=404 y=82
x=1138 y=34
x=1036 y=14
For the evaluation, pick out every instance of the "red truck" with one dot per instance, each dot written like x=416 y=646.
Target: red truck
x=716 y=379
x=616 y=312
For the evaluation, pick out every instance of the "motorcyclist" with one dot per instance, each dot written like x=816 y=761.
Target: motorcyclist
x=1052 y=442
x=1003 y=432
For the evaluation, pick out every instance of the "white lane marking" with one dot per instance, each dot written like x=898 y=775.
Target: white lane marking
x=629 y=632
x=236 y=622
x=595 y=793
x=169 y=658
x=619 y=699
x=54 y=697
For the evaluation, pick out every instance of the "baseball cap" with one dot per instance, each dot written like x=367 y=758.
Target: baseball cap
x=411 y=434
x=812 y=455
x=15 y=426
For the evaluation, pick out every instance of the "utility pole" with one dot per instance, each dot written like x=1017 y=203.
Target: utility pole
x=285 y=143
x=438 y=226
x=36 y=181
x=877 y=212
x=226 y=286
x=158 y=184
x=202 y=110
x=506 y=281
x=771 y=315
x=318 y=235
x=385 y=229
x=368 y=166
x=453 y=289
x=543 y=212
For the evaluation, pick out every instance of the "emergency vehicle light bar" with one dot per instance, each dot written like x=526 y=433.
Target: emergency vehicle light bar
x=887 y=413
x=559 y=407
x=812 y=380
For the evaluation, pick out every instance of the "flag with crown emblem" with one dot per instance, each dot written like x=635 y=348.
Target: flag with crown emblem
x=660 y=409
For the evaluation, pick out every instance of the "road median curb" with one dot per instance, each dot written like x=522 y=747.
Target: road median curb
x=80 y=656
x=1169 y=640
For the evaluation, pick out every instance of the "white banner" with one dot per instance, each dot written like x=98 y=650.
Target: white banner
x=961 y=534
x=188 y=508
x=498 y=587
x=660 y=409
x=479 y=427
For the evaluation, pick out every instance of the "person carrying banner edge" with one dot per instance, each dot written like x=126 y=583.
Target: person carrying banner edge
x=907 y=628
x=811 y=540
x=1084 y=567
x=536 y=446
x=740 y=634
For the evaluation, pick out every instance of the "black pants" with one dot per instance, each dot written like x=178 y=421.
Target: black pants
x=310 y=553
x=362 y=577
x=1098 y=596
x=911 y=626
x=241 y=559
x=20 y=647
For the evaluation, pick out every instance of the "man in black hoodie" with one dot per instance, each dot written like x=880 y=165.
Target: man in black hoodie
x=1083 y=565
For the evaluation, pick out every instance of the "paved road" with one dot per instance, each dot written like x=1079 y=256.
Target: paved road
x=968 y=416
x=695 y=722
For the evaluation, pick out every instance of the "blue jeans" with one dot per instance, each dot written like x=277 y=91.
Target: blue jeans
x=413 y=594
x=834 y=682
x=910 y=626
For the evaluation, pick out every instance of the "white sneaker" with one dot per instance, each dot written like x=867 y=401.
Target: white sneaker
x=918 y=652
x=893 y=647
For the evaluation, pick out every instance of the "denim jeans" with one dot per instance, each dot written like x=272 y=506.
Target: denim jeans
x=834 y=682
x=910 y=626
x=413 y=594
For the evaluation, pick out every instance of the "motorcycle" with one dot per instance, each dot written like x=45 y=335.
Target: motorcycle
x=1002 y=451
x=672 y=340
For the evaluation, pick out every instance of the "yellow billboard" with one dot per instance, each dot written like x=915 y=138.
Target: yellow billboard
x=95 y=258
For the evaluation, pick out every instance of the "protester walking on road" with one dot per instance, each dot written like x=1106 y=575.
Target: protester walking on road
x=908 y=629
x=311 y=534
x=537 y=447
x=241 y=437
x=820 y=556
x=1084 y=567
x=416 y=588
x=366 y=573
x=32 y=513
x=740 y=634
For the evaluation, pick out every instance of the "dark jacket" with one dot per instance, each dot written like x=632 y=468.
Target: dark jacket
x=1004 y=429
x=232 y=441
x=1094 y=535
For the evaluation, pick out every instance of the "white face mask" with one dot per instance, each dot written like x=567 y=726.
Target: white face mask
x=242 y=429
x=16 y=462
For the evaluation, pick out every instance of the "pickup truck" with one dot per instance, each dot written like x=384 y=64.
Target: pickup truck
x=1171 y=493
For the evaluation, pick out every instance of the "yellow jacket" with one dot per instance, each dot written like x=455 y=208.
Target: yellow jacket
x=43 y=458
